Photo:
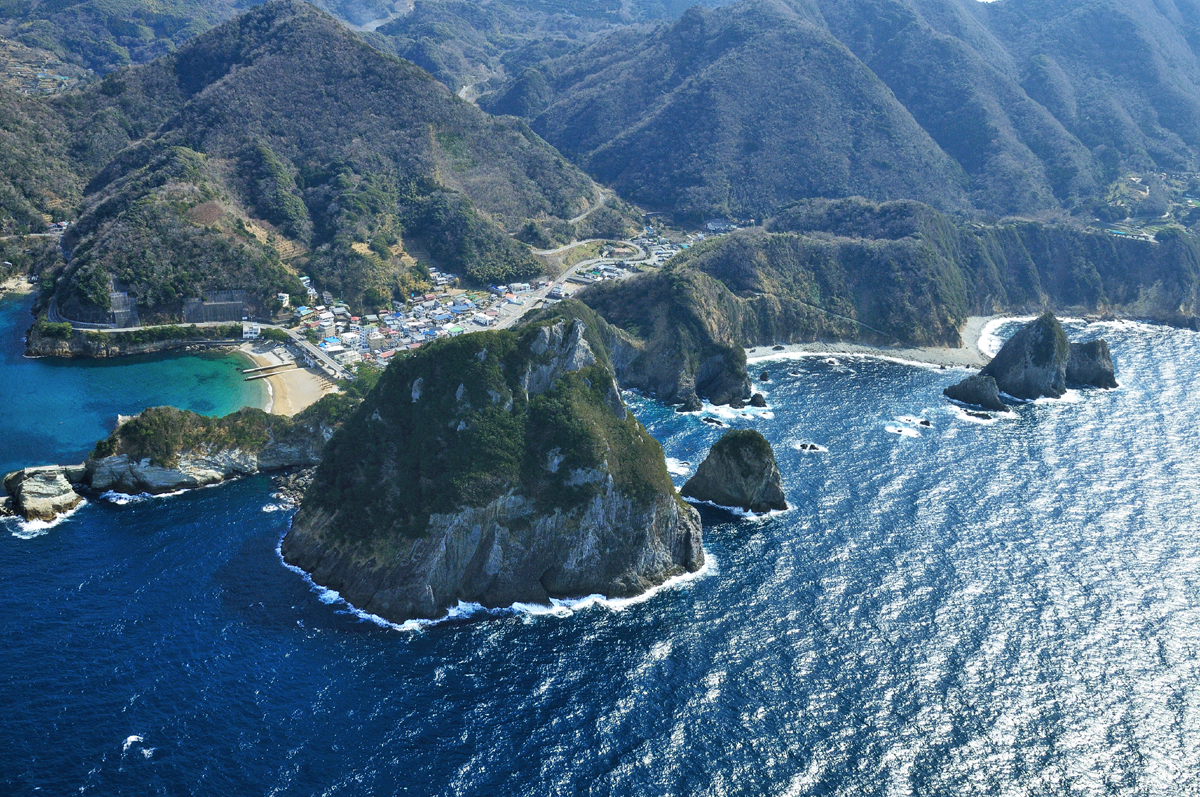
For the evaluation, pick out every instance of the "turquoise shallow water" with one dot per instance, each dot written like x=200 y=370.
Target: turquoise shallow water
x=55 y=410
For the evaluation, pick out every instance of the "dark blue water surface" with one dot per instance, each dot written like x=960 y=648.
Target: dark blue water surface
x=54 y=411
x=982 y=609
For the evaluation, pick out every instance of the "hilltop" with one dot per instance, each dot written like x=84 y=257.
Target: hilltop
x=280 y=139
x=493 y=468
x=733 y=111
x=985 y=108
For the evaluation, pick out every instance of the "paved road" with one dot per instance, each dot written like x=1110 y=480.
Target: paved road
x=591 y=210
x=542 y=293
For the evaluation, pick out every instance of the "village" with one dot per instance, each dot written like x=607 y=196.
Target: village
x=334 y=332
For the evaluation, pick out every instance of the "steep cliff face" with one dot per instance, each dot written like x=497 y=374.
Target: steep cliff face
x=681 y=331
x=740 y=472
x=43 y=493
x=493 y=468
x=1090 y=365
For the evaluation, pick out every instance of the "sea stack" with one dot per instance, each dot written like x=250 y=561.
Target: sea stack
x=1037 y=362
x=1090 y=365
x=493 y=468
x=739 y=472
x=45 y=492
x=1032 y=364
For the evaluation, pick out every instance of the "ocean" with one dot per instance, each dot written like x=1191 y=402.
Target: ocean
x=54 y=411
x=1004 y=607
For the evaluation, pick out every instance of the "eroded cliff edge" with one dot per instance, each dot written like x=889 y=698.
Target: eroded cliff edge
x=493 y=468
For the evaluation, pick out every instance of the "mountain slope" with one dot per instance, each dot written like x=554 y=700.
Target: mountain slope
x=280 y=135
x=732 y=111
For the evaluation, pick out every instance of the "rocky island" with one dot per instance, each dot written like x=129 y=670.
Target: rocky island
x=1037 y=362
x=739 y=472
x=493 y=468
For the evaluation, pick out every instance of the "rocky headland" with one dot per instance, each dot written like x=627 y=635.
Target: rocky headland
x=493 y=468
x=164 y=449
x=739 y=472
x=1037 y=362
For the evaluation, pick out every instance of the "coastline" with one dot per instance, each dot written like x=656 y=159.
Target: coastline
x=291 y=391
x=968 y=356
x=17 y=285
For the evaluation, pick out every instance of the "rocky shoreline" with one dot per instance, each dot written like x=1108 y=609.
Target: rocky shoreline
x=83 y=348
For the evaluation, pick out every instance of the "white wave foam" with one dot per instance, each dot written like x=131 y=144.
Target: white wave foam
x=962 y=415
x=557 y=608
x=130 y=741
x=274 y=508
x=744 y=514
x=799 y=446
x=28 y=529
x=123 y=499
x=989 y=342
x=727 y=413
x=678 y=467
x=903 y=431
x=148 y=752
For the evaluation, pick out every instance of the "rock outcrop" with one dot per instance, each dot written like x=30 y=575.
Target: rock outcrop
x=95 y=344
x=1090 y=365
x=1032 y=363
x=164 y=449
x=977 y=390
x=514 y=474
x=739 y=471
x=43 y=493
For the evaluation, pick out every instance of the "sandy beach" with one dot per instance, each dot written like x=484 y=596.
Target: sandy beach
x=292 y=390
x=969 y=356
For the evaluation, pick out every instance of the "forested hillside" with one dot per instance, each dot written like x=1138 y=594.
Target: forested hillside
x=1017 y=107
x=281 y=139
x=903 y=273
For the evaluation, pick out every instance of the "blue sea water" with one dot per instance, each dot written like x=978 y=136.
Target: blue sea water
x=54 y=411
x=1006 y=608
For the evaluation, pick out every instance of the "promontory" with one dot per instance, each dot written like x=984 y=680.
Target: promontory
x=493 y=468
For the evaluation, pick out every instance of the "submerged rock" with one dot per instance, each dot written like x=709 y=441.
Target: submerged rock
x=977 y=390
x=739 y=471
x=45 y=492
x=1032 y=363
x=491 y=487
x=1090 y=365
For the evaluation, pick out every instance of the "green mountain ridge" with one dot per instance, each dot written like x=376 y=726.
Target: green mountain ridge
x=281 y=136
x=994 y=109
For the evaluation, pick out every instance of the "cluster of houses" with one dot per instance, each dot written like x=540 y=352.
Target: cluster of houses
x=377 y=337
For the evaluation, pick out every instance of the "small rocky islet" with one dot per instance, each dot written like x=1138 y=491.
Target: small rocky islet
x=1037 y=362
x=739 y=472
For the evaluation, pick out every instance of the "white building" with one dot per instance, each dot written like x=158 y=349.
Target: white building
x=250 y=331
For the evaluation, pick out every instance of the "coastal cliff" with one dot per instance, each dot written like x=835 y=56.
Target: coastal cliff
x=493 y=468
x=163 y=449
